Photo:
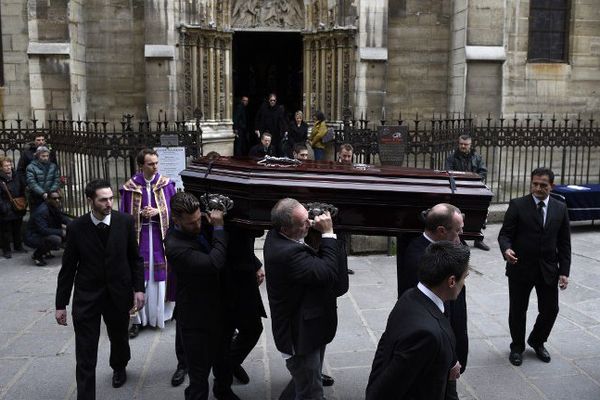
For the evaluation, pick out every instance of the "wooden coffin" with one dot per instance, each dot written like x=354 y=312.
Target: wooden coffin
x=371 y=200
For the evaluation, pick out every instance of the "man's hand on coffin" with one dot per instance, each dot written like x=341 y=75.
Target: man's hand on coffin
x=215 y=217
x=323 y=223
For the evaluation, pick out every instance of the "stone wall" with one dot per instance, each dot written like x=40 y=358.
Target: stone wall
x=419 y=37
x=572 y=87
x=14 y=95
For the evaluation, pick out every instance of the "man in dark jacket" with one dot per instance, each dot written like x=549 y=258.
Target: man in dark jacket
x=466 y=159
x=415 y=358
x=28 y=155
x=102 y=262
x=201 y=303
x=271 y=118
x=264 y=148
x=46 y=229
x=240 y=128
x=42 y=177
x=302 y=285
x=535 y=241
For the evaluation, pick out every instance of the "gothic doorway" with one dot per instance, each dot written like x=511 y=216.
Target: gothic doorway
x=268 y=62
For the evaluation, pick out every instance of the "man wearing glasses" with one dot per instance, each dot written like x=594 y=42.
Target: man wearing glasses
x=46 y=229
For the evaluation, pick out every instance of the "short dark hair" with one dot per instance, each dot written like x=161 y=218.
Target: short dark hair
x=298 y=147
x=441 y=260
x=541 y=171
x=92 y=187
x=320 y=116
x=465 y=136
x=346 y=146
x=266 y=133
x=444 y=218
x=141 y=157
x=281 y=214
x=184 y=203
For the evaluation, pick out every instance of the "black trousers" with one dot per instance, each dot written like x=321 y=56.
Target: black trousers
x=547 y=296
x=456 y=311
x=8 y=229
x=47 y=243
x=249 y=330
x=87 y=334
x=205 y=350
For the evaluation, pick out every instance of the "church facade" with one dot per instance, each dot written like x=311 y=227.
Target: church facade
x=372 y=59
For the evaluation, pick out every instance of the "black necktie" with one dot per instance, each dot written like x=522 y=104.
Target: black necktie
x=540 y=209
x=103 y=231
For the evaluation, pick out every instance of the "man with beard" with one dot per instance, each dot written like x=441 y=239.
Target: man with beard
x=271 y=118
x=202 y=321
x=102 y=252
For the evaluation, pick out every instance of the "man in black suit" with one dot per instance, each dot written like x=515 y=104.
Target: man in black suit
x=442 y=222
x=102 y=252
x=535 y=241
x=415 y=357
x=302 y=285
x=201 y=301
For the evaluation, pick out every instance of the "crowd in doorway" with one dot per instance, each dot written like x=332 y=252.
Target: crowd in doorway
x=274 y=135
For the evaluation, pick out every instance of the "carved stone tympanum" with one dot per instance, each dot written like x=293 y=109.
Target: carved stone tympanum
x=282 y=14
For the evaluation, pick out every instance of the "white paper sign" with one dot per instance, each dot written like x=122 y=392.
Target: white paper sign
x=171 y=161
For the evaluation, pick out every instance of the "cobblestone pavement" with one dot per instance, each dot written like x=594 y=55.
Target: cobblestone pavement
x=37 y=358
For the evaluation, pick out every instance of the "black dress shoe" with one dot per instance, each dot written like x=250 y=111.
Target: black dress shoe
x=541 y=352
x=482 y=246
x=515 y=358
x=7 y=254
x=178 y=376
x=327 y=380
x=350 y=271
x=134 y=331
x=119 y=378
x=240 y=374
x=225 y=395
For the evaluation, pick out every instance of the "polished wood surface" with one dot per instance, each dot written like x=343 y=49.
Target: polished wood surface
x=373 y=200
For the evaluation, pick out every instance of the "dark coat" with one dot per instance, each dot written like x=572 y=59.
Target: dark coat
x=241 y=267
x=115 y=271
x=271 y=119
x=472 y=162
x=27 y=156
x=43 y=222
x=240 y=122
x=456 y=310
x=415 y=353
x=302 y=286
x=544 y=249
x=42 y=177
x=408 y=265
x=17 y=189
x=199 y=279
x=260 y=151
x=297 y=134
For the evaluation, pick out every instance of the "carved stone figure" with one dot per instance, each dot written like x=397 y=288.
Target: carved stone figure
x=268 y=13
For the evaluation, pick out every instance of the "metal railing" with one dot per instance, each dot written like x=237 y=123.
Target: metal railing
x=89 y=149
x=510 y=147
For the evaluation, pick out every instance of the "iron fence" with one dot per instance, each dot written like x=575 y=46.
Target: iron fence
x=90 y=149
x=511 y=147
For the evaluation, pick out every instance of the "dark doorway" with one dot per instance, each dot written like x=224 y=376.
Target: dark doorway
x=266 y=63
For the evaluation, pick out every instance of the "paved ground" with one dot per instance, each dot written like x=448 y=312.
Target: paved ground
x=37 y=356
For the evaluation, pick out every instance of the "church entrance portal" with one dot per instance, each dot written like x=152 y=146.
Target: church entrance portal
x=268 y=62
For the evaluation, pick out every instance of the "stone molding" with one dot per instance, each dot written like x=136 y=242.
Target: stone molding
x=40 y=49
x=485 y=53
x=159 y=51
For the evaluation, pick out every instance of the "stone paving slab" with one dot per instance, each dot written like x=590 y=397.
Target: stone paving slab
x=37 y=358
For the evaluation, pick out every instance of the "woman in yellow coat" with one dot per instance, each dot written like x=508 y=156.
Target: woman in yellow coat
x=316 y=138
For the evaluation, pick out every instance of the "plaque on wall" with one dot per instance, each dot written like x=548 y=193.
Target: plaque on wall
x=392 y=144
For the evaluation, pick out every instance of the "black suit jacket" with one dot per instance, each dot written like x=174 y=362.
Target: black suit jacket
x=200 y=300
x=539 y=249
x=415 y=353
x=115 y=270
x=302 y=286
x=408 y=266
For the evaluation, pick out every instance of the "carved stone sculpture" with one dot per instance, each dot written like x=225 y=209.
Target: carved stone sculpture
x=287 y=14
